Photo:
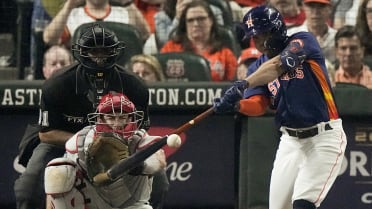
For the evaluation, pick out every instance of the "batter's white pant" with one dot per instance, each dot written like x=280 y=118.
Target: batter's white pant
x=306 y=168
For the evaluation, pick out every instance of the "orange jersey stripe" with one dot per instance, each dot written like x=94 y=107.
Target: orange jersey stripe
x=327 y=92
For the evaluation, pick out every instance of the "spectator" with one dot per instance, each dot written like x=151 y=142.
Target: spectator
x=340 y=7
x=317 y=18
x=147 y=67
x=39 y=20
x=240 y=7
x=198 y=32
x=148 y=9
x=168 y=18
x=352 y=13
x=364 y=27
x=71 y=16
x=247 y=57
x=55 y=58
x=350 y=54
x=291 y=10
x=346 y=13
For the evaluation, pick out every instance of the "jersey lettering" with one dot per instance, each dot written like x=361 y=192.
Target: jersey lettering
x=73 y=119
x=274 y=87
x=43 y=118
x=297 y=73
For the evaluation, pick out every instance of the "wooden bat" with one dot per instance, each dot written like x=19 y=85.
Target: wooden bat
x=134 y=160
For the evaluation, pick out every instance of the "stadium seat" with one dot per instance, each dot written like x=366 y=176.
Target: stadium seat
x=349 y=85
x=226 y=11
x=125 y=33
x=230 y=39
x=184 y=66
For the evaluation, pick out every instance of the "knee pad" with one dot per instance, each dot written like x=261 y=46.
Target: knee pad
x=303 y=204
x=60 y=176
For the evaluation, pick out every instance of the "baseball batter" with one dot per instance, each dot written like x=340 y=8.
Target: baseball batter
x=291 y=77
x=113 y=136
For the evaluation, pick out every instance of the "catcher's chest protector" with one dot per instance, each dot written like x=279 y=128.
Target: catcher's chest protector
x=80 y=141
x=121 y=193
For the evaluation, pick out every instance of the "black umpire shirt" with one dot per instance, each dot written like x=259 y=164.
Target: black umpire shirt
x=65 y=102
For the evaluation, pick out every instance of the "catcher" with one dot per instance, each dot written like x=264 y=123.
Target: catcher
x=112 y=137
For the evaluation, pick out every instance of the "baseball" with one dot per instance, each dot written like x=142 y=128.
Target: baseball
x=174 y=141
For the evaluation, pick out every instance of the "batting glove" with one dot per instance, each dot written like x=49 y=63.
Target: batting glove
x=227 y=103
x=234 y=93
x=241 y=85
x=221 y=106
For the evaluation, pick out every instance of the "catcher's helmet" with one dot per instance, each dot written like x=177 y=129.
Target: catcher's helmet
x=266 y=19
x=97 y=48
x=116 y=107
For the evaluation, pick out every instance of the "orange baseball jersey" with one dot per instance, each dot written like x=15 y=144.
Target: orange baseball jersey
x=223 y=63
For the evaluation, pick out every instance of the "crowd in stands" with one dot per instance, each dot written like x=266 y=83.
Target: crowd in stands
x=193 y=26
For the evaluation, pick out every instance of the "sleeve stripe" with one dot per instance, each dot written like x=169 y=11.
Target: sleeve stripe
x=327 y=92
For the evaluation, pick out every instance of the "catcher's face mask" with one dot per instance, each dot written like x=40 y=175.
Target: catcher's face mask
x=117 y=121
x=116 y=113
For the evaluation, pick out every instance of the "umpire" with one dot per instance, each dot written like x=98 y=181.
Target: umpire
x=68 y=97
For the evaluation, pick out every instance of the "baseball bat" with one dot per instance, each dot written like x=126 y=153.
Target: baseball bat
x=132 y=161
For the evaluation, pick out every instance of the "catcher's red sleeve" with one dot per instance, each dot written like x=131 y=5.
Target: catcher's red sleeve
x=254 y=106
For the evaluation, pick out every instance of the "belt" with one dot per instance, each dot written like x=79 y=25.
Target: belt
x=301 y=134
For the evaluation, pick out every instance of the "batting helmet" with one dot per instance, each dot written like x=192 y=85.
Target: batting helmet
x=266 y=19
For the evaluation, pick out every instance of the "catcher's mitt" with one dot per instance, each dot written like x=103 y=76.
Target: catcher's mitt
x=106 y=150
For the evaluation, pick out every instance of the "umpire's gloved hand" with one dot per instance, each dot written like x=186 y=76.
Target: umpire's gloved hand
x=227 y=103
